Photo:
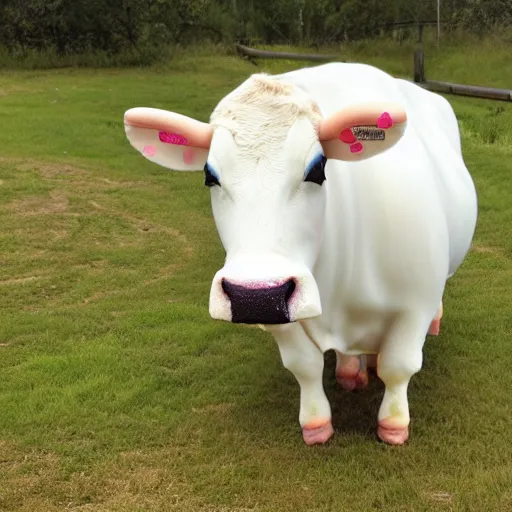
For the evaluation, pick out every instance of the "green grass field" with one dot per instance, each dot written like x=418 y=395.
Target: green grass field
x=117 y=390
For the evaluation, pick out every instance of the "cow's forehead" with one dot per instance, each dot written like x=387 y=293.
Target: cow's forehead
x=283 y=152
x=262 y=110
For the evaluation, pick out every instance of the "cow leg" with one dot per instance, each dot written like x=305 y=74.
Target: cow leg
x=306 y=361
x=351 y=371
x=400 y=358
x=371 y=361
x=435 y=325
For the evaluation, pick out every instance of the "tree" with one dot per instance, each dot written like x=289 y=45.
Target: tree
x=117 y=26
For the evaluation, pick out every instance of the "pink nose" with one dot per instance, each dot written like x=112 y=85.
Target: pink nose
x=265 y=305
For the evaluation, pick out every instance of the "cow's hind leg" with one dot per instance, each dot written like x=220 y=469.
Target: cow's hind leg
x=306 y=361
x=400 y=358
x=435 y=325
x=351 y=371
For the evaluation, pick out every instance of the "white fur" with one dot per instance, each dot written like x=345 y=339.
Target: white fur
x=380 y=237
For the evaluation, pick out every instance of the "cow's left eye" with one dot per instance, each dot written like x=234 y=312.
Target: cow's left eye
x=316 y=170
x=210 y=176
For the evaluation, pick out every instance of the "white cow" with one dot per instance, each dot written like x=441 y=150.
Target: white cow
x=340 y=225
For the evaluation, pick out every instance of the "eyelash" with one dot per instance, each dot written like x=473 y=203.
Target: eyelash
x=210 y=178
x=316 y=171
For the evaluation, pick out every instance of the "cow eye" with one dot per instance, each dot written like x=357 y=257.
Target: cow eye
x=210 y=176
x=316 y=170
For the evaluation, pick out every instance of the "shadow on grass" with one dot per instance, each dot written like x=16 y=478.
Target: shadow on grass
x=353 y=413
x=269 y=412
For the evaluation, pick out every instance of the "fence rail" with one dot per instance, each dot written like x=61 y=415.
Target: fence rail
x=473 y=91
x=410 y=23
x=419 y=73
x=468 y=90
x=264 y=54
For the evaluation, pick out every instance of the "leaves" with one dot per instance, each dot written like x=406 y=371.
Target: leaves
x=114 y=26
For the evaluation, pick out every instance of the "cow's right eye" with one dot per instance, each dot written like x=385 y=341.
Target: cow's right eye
x=210 y=176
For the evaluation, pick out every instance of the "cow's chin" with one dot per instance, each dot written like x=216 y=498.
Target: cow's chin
x=266 y=290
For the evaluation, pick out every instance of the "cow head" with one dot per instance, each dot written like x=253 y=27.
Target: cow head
x=264 y=157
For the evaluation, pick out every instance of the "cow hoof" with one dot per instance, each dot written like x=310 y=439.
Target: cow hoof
x=435 y=327
x=352 y=380
x=391 y=434
x=317 y=435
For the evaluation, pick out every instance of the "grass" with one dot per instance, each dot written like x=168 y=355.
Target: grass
x=119 y=393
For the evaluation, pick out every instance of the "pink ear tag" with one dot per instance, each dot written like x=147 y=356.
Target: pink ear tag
x=189 y=155
x=149 y=150
x=356 y=148
x=172 y=138
x=385 y=121
x=347 y=136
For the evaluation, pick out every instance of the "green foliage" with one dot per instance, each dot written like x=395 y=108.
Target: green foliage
x=144 y=30
x=481 y=16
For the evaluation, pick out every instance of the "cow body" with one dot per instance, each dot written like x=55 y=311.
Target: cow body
x=396 y=227
x=357 y=264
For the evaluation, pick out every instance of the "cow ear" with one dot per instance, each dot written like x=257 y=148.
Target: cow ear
x=362 y=131
x=168 y=139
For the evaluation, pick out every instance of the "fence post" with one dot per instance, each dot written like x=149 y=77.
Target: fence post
x=420 y=32
x=419 y=66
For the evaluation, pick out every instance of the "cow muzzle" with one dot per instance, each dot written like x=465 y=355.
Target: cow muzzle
x=264 y=291
x=268 y=305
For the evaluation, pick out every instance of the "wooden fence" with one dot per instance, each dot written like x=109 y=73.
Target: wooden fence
x=253 y=53
x=419 y=73
x=458 y=89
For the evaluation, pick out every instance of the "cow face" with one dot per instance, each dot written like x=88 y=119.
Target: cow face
x=264 y=156
x=268 y=202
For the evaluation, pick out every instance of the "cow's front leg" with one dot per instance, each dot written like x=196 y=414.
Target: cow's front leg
x=400 y=358
x=305 y=360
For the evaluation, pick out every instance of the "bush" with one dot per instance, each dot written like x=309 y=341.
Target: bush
x=140 y=32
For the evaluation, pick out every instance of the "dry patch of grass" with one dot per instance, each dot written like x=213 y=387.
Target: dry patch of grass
x=18 y=280
x=136 y=480
x=56 y=202
x=62 y=171
x=7 y=90
x=441 y=497
x=145 y=225
x=53 y=206
x=487 y=249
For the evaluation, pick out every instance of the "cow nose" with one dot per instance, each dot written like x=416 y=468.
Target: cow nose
x=265 y=305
